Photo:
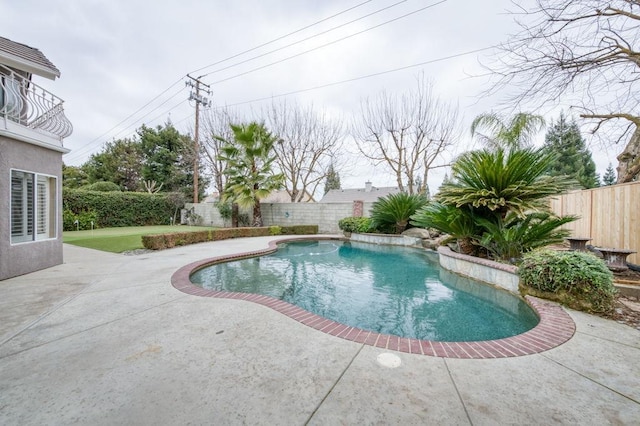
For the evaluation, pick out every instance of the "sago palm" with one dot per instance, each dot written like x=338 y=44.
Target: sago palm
x=460 y=223
x=393 y=211
x=506 y=239
x=499 y=181
x=249 y=172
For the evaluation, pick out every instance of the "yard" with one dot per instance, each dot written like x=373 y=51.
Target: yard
x=118 y=240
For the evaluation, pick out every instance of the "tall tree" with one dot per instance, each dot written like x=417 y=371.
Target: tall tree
x=514 y=132
x=168 y=159
x=119 y=162
x=250 y=157
x=333 y=179
x=609 y=177
x=217 y=125
x=308 y=142
x=74 y=177
x=584 y=52
x=408 y=133
x=572 y=156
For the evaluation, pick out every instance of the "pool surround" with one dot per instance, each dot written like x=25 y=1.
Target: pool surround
x=555 y=326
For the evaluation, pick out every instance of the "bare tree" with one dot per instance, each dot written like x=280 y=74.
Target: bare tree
x=585 y=52
x=408 y=133
x=309 y=142
x=216 y=122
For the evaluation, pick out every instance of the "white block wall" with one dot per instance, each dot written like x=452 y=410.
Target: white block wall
x=325 y=215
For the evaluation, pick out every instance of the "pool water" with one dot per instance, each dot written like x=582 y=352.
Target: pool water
x=390 y=290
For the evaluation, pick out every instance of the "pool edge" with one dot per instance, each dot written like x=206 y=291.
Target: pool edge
x=554 y=328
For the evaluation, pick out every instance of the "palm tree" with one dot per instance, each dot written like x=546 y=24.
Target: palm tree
x=249 y=172
x=513 y=133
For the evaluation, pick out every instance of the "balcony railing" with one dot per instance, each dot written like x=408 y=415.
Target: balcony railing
x=29 y=105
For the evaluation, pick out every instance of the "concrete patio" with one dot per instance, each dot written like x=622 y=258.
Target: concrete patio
x=105 y=339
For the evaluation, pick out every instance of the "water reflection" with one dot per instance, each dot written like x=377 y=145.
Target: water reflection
x=394 y=290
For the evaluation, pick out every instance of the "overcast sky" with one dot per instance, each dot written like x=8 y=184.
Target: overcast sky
x=116 y=56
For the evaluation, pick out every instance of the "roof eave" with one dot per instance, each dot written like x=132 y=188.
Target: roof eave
x=28 y=66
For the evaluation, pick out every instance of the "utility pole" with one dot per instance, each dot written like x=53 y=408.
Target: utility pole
x=195 y=96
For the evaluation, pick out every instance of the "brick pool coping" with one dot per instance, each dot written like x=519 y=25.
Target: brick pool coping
x=555 y=326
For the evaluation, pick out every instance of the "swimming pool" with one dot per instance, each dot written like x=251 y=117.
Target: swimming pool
x=389 y=290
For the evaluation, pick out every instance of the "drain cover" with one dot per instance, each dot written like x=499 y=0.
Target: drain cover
x=389 y=360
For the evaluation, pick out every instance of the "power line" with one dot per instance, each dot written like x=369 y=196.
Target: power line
x=281 y=37
x=335 y=83
x=77 y=153
x=180 y=102
x=149 y=113
x=328 y=44
x=81 y=151
x=307 y=38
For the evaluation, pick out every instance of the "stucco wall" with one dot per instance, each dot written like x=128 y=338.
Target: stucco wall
x=498 y=274
x=23 y=258
x=325 y=215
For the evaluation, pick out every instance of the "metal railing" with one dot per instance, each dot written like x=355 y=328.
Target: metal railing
x=29 y=105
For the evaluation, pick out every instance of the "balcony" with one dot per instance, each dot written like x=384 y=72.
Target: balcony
x=30 y=111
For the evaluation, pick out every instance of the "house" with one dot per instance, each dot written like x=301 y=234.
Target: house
x=367 y=194
x=32 y=128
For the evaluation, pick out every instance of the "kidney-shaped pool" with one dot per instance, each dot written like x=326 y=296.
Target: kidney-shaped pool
x=384 y=289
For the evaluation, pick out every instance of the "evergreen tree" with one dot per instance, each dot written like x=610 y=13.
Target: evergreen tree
x=159 y=158
x=168 y=158
x=609 y=177
x=573 y=157
x=333 y=180
x=74 y=177
x=120 y=162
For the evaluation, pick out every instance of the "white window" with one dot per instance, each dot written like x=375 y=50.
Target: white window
x=33 y=207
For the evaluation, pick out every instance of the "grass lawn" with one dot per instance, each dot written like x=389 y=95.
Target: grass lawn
x=117 y=240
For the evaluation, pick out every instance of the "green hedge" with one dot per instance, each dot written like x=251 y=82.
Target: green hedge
x=114 y=209
x=578 y=280
x=165 y=241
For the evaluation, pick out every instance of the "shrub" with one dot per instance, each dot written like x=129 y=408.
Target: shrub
x=576 y=279
x=355 y=224
x=84 y=219
x=299 y=230
x=391 y=213
x=225 y=209
x=275 y=230
x=68 y=220
x=102 y=187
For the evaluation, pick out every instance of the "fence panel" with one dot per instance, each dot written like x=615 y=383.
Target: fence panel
x=609 y=215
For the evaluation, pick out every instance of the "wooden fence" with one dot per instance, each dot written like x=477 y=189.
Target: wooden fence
x=609 y=215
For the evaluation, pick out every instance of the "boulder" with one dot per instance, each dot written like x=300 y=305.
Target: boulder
x=417 y=233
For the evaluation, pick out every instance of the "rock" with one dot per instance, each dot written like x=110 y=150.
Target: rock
x=435 y=233
x=417 y=233
x=429 y=244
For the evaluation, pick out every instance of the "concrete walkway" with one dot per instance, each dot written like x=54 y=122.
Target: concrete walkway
x=105 y=339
